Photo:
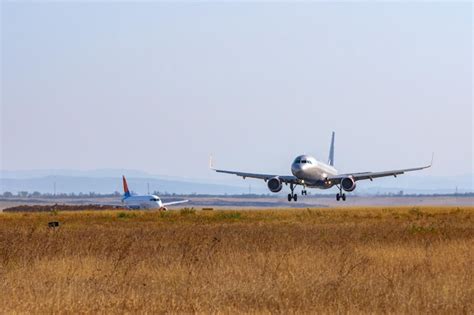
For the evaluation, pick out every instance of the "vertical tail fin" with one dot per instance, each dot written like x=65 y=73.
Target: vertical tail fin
x=331 y=150
x=126 y=192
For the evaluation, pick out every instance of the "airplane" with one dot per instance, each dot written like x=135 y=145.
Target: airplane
x=144 y=201
x=311 y=173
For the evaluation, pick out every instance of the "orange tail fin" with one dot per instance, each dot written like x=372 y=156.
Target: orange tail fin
x=126 y=192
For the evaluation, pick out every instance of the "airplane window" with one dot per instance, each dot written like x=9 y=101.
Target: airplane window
x=297 y=160
x=304 y=161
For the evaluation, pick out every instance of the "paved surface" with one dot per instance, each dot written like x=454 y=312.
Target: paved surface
x=266 y=202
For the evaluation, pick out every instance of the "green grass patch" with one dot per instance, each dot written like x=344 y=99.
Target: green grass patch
x=126 y=215
x=229 y=215
x=420 y=229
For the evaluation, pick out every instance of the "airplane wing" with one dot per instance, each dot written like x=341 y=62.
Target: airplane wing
x=284 y=178
x=372 y=175
x=288 y=179
x=174 y=203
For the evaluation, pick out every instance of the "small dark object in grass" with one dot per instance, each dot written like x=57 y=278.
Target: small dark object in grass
x=208 y=209
x=53 y=224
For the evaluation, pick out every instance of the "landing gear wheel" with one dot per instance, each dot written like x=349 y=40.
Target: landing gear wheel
x=338 y=196
x=344 y=197
x=292 y=195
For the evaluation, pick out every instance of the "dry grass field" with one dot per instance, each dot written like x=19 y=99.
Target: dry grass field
x=353 y=260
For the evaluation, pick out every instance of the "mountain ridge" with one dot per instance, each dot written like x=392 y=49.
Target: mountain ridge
x=109 y=181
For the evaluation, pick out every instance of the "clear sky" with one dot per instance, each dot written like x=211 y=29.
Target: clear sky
x=160 y=86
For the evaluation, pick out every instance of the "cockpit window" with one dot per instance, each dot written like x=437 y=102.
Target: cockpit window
x=302 y=160
x=155 y=199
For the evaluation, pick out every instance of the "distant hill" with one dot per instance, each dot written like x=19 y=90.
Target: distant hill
x=418 y=184
x=69 y=184
x=78 y=173
x=109 y=180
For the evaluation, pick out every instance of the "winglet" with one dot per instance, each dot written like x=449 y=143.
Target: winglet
x=211 y=166
x=126 y=192
x=331 y=150
x=431 y=163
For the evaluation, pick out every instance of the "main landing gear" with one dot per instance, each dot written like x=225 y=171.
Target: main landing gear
x=340 y=195
x=292 y=195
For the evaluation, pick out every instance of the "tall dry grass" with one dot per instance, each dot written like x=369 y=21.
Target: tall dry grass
x=406 y=260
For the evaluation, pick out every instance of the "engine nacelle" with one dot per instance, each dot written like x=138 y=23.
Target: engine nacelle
x=348 y=184
x=274 y=184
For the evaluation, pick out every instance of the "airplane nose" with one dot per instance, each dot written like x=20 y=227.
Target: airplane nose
x=297 y=170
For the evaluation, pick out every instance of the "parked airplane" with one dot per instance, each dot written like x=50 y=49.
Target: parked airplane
x=308 y=172
x=144 y=201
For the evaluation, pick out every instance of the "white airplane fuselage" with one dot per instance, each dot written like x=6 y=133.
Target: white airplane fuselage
x=143 y=202
x=312 y=172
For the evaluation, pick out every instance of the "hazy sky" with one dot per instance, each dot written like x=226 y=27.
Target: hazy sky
x=160 y=86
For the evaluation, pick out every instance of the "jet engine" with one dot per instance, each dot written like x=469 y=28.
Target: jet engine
x=348 y=184
x=274 y=184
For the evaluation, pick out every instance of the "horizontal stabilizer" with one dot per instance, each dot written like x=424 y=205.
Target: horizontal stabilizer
x=174 y=203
